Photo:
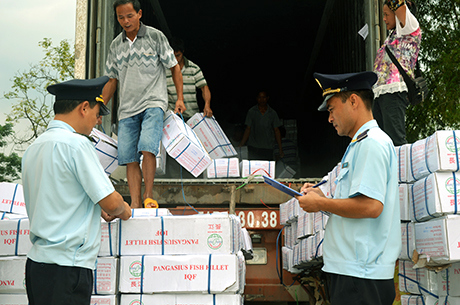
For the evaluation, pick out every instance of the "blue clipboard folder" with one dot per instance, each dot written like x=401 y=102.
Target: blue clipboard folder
x=281 y=187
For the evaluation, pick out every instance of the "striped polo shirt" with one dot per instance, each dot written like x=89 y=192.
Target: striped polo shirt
x=193 y=78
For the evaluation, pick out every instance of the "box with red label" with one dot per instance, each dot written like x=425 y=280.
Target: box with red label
x=417 y=281
x=215 y=273
x=105 y=276
x=332 y=177
x=212 y=136
x=12 y=198
x=408 y=240
x=109 y=238
x=320 y=221
x=305 y=224
x=182 y=299
x=257 y=168
x=435 y=195
x=183 y=145
x=106 y=150
x=404 y=172
x=439 y=239
x=14 y=299
x=404 y=202
x=411 y=299
x=12 y=274
x=447 y=300
x=449 y=281
x=14 y=237
x=223 y=168
x=104 y=300
x=197 y=234
x=438 y=152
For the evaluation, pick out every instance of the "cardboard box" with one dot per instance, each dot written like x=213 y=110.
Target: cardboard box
x=183 y=145
x=182 y=299
x=210 y=274
x=104 y=300
x=305 y=224
x=106 y=149
x=407 y=240
x=410 y=299
x=332 y=180
x=404 y=171
x=289 y=211
x=223 y=168
x=319 y=221
x=404 y=202
x=106 y=276
x=438 y=152
x=14 y=299
x=109 y=238
x=139 y=213
x=212 y=136
x=12 y=198
x=435 y=195
x=447 y=300
x=14 y=237
x=417 y=281
x=11 y=216
x=258 y=168
x=284 y=171
x=160 y=161
x=204 y=234
x=438 y=239
x=449 y=281
x=12 y=274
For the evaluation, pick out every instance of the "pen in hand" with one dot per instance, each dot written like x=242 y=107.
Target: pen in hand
x=317 y=184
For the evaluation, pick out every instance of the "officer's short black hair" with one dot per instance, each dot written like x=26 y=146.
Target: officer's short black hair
x=366 y=95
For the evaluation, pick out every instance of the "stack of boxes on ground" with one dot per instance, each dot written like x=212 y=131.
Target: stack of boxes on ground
x=152 y=258
x=304 y=232
x=429 y=195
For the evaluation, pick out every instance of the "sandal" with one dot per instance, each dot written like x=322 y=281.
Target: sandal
x=149 y=203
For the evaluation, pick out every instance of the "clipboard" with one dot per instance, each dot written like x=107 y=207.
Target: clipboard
x=281 y=187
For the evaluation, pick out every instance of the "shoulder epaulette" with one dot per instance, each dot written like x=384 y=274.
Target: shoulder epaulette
x=362 y=135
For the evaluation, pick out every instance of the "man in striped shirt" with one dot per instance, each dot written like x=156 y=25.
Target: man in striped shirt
x=192 y=78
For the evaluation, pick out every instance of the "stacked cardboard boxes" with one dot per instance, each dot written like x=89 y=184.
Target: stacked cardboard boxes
x=429 y=201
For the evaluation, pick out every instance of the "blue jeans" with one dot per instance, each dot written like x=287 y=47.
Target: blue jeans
x=141 y=132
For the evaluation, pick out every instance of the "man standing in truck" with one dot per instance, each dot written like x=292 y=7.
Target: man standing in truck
x=137 y=61
x=363 y=236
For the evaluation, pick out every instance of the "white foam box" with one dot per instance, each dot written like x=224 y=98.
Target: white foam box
x=197 y=234
x=160 y=161
x=14 y=299
x=218 y=273
x=14 y=237
x=182 y=299
x=435 y=195
x=305 y=224
x=105 y=276
x=447 y=300
x=411 y=299
x=12 y=274
x=104 y=300
x=212 y=136
x=315 y=245
x=12 y=198
x=319 y=221
x=439 y=239
x=449 y=281
x=183 y=145
x=438 y=152
x=417 y=281
x=404 y=202
x=109 y=238
x=106 y=149
x=259 y=168
x=223 y=168
x=402 y=155
x=332 y=180
x=11 y=216
x=407 y=240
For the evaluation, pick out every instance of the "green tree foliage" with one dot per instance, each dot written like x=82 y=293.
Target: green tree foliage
x=440 y=59
x=33 y=103
x=10 y=166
